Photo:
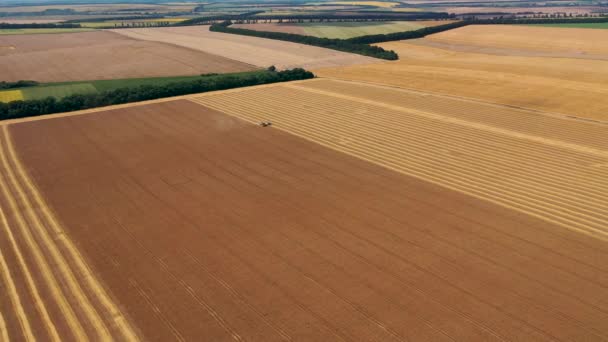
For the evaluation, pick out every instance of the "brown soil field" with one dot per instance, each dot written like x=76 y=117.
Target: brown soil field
x=252 y=50
x=102 y=55
x=567 y=86
x=575 y=41
x=201 y=224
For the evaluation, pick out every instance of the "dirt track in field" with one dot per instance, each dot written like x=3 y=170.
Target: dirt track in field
x=203 y=225
x=102 y=55
x=252 y=50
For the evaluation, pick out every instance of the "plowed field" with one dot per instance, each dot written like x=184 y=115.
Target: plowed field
x=101 y=55
x=200 y=224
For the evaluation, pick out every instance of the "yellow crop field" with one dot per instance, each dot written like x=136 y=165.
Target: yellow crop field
x=560 y=86
x=10 y=95
x=496 y=153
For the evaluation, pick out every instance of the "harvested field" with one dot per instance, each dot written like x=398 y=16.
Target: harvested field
x=343 y=30
x=496 y=153
x=107 y=56
x=205 y=224
x=252 y=50
x=526 y=38
x=566 y=86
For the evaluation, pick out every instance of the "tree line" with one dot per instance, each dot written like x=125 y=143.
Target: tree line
x=49 y=105
x=359 y=45
x=330 y=43
x=420 y=33
x=39 y=25
x=18 y=84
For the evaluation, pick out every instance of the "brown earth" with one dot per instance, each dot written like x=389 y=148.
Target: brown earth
x=203 y=225
x=102 y=55
x=252 y=50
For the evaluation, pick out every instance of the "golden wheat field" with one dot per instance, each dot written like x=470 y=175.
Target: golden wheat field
x=562 y=86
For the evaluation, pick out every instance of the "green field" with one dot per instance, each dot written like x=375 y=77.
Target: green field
x=345 y=30
x=43 y=30
x=63 y=89
x=577 y=25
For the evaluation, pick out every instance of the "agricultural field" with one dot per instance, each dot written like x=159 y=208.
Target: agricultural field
x=504 y=72
x=250 y=50
x=343 y=30
x=181 y=190
x=107 y=56
x=543 y=41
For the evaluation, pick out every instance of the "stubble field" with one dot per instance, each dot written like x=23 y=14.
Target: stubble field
x=512 y=74
x=107 y=56
x=207 y=224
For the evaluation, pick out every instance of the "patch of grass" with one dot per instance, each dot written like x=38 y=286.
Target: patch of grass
x=10 y=95
x=345 y=30
x=57 y=91
x=43 y=31
x=577 y=25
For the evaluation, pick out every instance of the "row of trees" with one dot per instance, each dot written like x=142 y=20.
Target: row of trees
x=39 y=26
x=420 y=33
x=20 y=109
x=335 y=44
x=359 y=45
x=18 y=84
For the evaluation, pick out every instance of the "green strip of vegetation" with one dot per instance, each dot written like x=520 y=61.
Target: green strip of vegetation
x=335 y=44
x=358 y=45
x=420 y=33
x=49 y=105
x=58 y=90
